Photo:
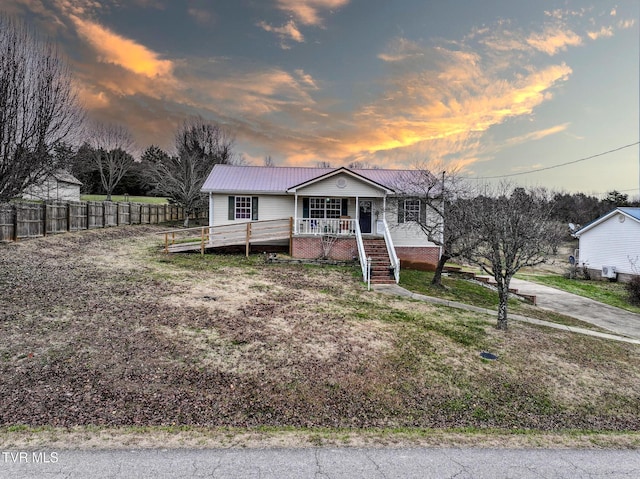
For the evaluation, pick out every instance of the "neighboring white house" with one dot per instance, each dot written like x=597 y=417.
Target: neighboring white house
x=342 y=202
x=59 y=186
x=610 y=245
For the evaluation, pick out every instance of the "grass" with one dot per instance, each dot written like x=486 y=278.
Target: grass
x=468 y=292
x=121 y=198
x=611 y=293
x=243 y=347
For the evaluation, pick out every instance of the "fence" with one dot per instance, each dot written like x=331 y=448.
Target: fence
x=21 y=220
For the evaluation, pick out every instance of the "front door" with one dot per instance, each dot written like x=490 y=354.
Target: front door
x=365 y=216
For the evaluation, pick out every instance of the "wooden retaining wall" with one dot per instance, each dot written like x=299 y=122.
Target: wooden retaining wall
x=23 y=219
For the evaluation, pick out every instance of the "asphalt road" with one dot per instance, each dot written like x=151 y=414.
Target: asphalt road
x=322 y=463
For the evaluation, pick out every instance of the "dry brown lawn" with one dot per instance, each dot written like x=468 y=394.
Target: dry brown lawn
x=100 y=328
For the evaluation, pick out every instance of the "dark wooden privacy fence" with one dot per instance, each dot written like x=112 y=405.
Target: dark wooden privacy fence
x=21 y=220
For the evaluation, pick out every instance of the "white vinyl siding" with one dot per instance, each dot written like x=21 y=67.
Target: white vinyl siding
x=351 y=187
x=409 y=233
x=611 y=243
x=271 y=208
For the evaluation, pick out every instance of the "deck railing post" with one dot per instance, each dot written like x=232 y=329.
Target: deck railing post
x=248 y=238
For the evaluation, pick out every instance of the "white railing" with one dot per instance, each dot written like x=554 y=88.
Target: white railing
x=323 y=226
x=391 y=249
x=362 y=255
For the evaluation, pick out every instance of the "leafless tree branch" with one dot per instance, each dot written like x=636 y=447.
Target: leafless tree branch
x=38 y=107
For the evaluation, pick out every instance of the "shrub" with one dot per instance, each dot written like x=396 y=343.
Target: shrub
x=633 y=288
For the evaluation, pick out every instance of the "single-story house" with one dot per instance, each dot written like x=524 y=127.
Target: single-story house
x=338 y=213
x=610 y=245
x=59 y=186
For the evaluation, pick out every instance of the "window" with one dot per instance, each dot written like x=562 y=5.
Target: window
x=321 y=208
x=316 y=207
x=411 y=210
x=333 y=208
x=243 y=207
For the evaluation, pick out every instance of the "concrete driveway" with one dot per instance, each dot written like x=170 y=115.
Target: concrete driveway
x=613 y=319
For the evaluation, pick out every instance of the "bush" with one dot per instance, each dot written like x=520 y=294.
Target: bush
x=578 y=272
x=633 y=288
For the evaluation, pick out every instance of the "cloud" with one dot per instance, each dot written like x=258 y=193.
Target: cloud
x=553 y=40
x=289 y=31
x=202 y=16
x=308 y=12
x=536 y=135
x=118 y=50
x=624 y=24
x=401 y=49
x=603 y=32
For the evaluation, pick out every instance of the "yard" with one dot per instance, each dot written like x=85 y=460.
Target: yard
x=101 y=329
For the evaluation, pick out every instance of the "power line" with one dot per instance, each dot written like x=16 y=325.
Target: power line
x=555 y=166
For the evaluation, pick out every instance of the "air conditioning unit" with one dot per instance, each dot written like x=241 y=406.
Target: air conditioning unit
x=609 y=272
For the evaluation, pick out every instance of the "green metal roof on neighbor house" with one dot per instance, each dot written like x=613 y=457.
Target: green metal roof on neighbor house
x=284 y=180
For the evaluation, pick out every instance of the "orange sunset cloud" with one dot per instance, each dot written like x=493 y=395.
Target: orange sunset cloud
x=115 y=49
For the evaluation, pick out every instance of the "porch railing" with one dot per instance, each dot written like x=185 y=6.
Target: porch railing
x=323 y=226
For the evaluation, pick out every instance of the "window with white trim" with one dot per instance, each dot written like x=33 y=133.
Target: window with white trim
x=411 y=210
x=321 y=208
x=243 y=207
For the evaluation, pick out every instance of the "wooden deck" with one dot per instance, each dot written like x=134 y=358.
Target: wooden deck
x=243 y=234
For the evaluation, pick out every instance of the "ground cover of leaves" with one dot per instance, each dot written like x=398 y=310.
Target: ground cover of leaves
x=100 y=328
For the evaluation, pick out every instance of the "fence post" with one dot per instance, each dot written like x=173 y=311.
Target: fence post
x=15 y=223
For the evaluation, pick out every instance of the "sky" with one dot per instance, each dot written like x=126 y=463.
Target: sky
x=494 y=88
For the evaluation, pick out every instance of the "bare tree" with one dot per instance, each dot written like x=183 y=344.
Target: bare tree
x=438 y=204
x=38 y=107
x=323 y=164
x=111 y=145
x=200 y=146
x=268 y=161
x=205 y=140
x=180 y=178
x=514 y=229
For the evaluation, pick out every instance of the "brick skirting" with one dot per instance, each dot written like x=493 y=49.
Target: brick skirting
x=310 y=247
x=419 y=257
x=346 y=249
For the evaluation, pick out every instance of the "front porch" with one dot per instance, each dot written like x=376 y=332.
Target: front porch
x=337 y=239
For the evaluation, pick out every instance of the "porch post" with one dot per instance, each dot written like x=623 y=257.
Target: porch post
x=295 y=213
x=358 y=209
x=384 y=207
x=211 y=209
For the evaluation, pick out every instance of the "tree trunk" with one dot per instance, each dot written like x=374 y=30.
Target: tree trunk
x=108 y=196
x=186 y=220
x=437 y=276
x=503 y=294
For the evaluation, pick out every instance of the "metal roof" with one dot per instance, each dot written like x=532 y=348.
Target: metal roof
x=633 y=212
x=277 y=179
x=627 y=211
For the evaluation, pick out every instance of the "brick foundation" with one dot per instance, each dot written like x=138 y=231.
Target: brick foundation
x=310 y=247
x=423 y=258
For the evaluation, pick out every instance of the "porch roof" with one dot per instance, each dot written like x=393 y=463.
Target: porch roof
x=284 y=180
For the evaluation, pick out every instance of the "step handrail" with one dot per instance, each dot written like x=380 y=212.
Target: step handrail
x=362 y=254
x=393 y=256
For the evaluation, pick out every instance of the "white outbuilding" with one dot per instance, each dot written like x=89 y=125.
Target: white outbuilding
x=610 y=245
